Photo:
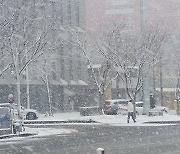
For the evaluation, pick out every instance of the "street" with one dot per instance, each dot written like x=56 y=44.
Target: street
x=115 y=140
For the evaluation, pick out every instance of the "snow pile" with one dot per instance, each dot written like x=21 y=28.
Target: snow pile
x=49 y=131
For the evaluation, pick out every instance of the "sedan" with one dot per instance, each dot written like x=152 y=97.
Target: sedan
x=26 y=114
x=110 y=108
x=139 y=109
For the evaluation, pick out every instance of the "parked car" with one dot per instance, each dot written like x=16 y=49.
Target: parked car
x=139 y=108
x=5 y=118
x=122 y=106
x=160 y=108
x=26 y=114
x=110 y=107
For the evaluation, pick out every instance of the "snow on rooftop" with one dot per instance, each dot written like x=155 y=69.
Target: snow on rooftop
x=68 y=92
x=72 y=82
x=81 y=82
x=49 y=131
x=94 y=66
x=63 y=82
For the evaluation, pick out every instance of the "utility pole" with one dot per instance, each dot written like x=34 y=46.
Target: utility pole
x=161 y=82
x=178 y=91
x=27 y=84
x=146 y=77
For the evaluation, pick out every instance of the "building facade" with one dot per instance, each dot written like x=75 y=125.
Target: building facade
x=136 y=14
x=164 y=13
x=61 y=62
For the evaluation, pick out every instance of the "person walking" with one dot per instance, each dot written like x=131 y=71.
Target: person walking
x=130 y=109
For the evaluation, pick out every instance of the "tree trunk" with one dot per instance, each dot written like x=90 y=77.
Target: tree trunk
x=101 y=103
x=161 y=84
x=49 y=96
x=18 y=92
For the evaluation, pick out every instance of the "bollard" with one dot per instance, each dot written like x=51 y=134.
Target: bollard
x=100 y=151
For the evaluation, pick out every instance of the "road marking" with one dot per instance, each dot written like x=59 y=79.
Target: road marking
x=30 y=149
x=13 y=147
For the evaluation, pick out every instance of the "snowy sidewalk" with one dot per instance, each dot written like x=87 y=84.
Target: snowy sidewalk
x=121 y=120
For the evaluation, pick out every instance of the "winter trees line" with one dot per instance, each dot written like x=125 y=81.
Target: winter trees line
x=123 y=51
x=28 y=37
x=24 y=28
x=31 y=39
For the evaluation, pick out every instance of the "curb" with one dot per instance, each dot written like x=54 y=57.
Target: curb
x=17 y=135
x=44 y=122
x=162 y=122
x=63 y=121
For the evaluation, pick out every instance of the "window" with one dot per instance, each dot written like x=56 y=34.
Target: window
x=13 y=72
x=62 y=63
x=61 y=12
x=24 y=77
x=71 y=69
x=54 y=75
x=139 y=104
x=54 y=66
x=77 y=14
x=79 y=67
x=69 y=12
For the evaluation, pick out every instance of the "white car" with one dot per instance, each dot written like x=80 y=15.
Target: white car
x=113 y=106
x=158 y=110
x=26 y=114
x=139 y=108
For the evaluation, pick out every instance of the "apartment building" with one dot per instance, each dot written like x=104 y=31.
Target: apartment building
x=62 y=60
x=164 y=13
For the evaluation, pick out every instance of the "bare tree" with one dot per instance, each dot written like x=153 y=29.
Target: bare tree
x=23 y=39
x=154 y=40
x=42 y=70
x=125 y=51
x=102 y=76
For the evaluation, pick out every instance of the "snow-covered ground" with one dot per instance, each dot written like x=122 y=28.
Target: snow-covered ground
x=38 y=133
x=114 y=120
x=49 y=131
x=120 y=120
